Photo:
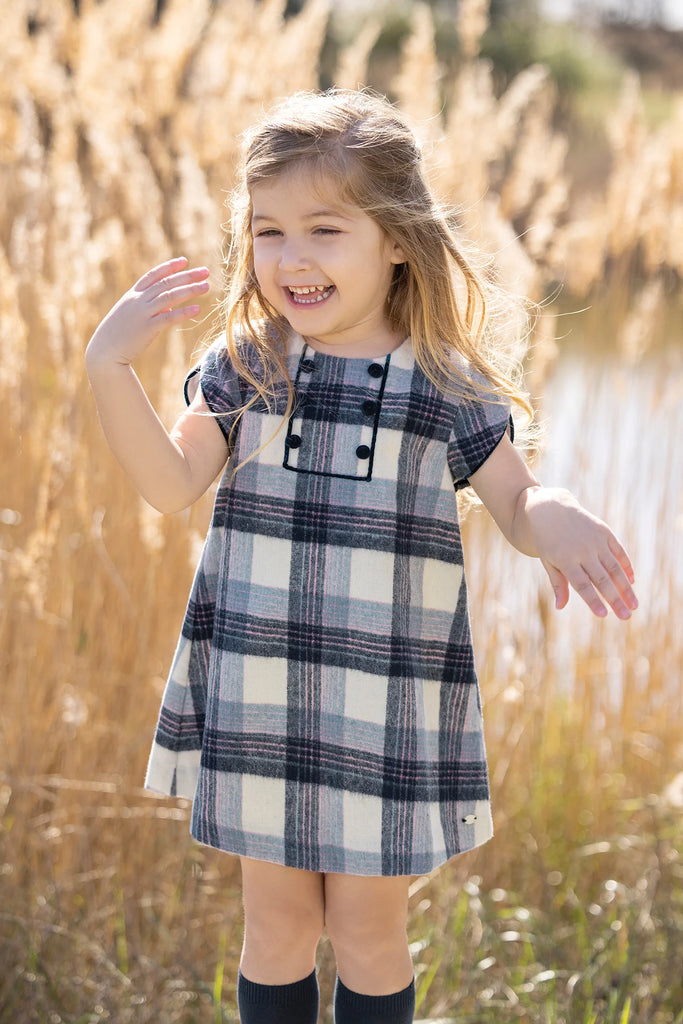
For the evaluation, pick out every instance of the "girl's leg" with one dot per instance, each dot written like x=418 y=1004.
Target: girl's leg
x=366 y=921
x=283 y=910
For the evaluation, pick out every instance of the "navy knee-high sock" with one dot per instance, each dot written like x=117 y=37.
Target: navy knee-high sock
x=278 y=1004
x=354 y=1008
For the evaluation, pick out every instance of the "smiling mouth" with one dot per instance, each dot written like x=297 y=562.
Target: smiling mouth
x=310 y=295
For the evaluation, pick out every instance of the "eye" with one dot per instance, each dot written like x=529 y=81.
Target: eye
x=326 y=231
x=267 y=233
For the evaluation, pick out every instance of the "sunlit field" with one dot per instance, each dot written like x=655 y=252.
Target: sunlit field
x=118 y=139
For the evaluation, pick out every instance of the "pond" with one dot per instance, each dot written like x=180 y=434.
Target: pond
x=614 y=436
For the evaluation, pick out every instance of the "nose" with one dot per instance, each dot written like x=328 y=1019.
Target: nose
x=293 y=255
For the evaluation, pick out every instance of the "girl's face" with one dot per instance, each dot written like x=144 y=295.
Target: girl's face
x=325 y=265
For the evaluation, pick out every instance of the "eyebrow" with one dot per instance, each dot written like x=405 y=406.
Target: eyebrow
x=326 y=211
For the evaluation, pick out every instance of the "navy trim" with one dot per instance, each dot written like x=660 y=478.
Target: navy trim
x=305 y=358
x=191 y=374
x=460 y=485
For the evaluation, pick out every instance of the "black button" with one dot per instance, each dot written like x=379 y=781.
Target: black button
x=293 y=441
x=307 y=365
x=369 y=407
x=362 y=451
x=375 y=369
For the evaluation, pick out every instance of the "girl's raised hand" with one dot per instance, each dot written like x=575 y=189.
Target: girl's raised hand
x=156 y=301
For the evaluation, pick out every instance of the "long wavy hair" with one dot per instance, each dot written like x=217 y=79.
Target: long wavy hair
x=361 y=144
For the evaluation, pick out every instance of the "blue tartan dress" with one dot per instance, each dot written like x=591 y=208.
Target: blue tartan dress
x=322 y=709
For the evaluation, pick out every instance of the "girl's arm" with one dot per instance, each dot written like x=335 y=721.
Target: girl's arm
x=549 y=523
x=171 y=470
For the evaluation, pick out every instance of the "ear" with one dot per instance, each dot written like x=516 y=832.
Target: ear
x=396 y=254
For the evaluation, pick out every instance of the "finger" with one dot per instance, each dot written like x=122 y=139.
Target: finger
x=559 y=584
x=160 y=271
x=584 y=587
x=172 y=297
x=174 y=316
x=620 y=554
x=596 y=580
x=169 y=283
x=620 y=578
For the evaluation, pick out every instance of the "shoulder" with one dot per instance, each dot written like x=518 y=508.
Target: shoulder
x=210 y=365
x=218 y=377
x=455 y=381
x=474 y=380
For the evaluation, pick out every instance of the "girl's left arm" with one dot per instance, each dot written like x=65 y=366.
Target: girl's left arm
x=575 y=547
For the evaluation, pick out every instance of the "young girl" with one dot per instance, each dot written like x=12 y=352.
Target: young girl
x=322 y=709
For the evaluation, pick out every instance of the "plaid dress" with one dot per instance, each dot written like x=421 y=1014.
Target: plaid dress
x=322 y=708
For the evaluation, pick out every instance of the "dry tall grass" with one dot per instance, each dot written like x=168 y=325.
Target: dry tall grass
x=118 y=139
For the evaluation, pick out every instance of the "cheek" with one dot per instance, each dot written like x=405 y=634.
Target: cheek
x=260 y=269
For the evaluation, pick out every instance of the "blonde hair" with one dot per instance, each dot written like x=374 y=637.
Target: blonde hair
x=361 y=143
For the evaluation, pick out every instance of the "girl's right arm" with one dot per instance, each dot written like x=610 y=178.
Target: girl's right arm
x=171 y=470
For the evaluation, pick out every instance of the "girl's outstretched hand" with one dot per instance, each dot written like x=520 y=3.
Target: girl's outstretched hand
x=577 y=549
x=154 y=302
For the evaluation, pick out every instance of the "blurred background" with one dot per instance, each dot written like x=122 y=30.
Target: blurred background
x=556 y=130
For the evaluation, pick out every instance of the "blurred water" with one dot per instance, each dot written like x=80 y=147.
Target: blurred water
x=669 y=12
x=613 y=436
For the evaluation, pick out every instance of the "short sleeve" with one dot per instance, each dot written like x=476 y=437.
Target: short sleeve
x=219 y=382
x=480 y=422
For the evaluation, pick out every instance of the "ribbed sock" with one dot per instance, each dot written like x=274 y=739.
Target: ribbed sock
x=278 y=1004
x=354 y=1008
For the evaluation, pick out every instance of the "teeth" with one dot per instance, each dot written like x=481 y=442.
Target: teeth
x=318 y=292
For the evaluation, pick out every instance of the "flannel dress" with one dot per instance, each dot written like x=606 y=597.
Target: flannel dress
x=322 y=709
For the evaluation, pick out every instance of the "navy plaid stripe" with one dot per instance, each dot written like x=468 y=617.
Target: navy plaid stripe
x=312 y=762
x=199 y=622
x=179 y=731
x=314 y=522
x=395 y=656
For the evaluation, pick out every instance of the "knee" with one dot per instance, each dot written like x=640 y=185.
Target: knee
x=282 y=926
x=367 y=934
